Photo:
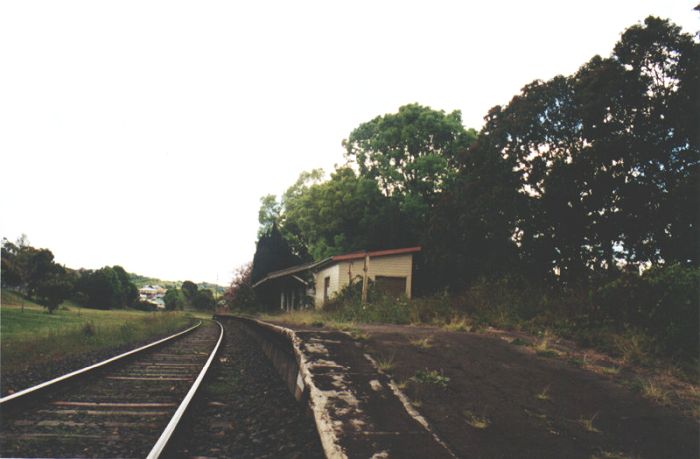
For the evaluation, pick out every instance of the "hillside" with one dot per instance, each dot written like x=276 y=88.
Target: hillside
x=141 y=281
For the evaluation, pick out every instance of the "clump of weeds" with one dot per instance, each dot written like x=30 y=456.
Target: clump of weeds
x=650 y=389
x=424 y=343
x=475 y=420
x=587 y=423
x=385 y=363
x=430 y=377
x=543 y=395
x=458 y=324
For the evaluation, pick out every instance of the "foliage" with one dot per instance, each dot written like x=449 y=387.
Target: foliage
x=189 y=289
x=581 y=174
x=663 y=302
x=240 y=295
x=343 y=214
x=105 y=288
x=411 y=154
x=34 y=272
x=203 y=300
x=174 y=300
x=430 y=377
x=53 y=288
x=272 y=253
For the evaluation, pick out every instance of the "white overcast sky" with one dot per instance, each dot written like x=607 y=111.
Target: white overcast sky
x=144 y=133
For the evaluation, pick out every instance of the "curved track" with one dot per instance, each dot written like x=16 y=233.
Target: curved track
x=128 y=409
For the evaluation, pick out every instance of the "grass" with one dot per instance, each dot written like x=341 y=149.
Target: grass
x=610 y=370
x=430 y=377
x=458 y=324
x=35 y=337
x=476 y=421
x=648 y=388
x=423 y=343
x=542 y=346
x=587 y=424
x=544 y=395
x=385 y=363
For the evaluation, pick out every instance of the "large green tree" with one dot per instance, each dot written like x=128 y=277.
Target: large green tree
x=411 y=154
x=345 y=213
x=592 y=171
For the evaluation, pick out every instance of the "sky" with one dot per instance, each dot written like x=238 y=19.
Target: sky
x=144 y=133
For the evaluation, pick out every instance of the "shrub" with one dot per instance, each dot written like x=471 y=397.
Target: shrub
x=663 y=302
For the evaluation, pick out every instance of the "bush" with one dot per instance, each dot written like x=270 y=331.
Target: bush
x=663 y=302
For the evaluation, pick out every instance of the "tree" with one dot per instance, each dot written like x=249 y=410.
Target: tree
x=411 y=154
x=53 y=289
x=269 y=213
x=343 y=214
x=592 y=171
x=189 y=289
x=11 y=271
x=204 y=300
x=174 y=300
x=272 y=253
x=105 y=288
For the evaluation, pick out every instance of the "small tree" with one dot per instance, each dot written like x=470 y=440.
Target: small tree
x=174 y=299
x=189 y=289
x=53 y=289
x=204 y=300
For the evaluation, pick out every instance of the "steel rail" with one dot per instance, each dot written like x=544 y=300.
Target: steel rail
x=162 y=442
x=44 y=385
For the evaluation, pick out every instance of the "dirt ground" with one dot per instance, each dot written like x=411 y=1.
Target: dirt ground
x=502 y=399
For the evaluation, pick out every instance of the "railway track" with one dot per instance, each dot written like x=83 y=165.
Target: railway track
x=125 y=409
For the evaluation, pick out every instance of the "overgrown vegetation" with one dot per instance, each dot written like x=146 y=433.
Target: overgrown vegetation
x=573 y=211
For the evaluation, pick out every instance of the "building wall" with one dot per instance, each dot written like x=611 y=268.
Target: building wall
x=333 y=272
x=340 y=273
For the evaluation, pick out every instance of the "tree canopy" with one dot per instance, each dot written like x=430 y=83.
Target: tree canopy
x=578 y=177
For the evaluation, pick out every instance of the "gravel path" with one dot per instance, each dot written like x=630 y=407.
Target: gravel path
x=245 y=410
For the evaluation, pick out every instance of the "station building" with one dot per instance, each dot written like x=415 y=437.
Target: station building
x=318 y=283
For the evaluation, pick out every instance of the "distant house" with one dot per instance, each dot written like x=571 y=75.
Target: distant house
x=152 y=294
x=319 y=282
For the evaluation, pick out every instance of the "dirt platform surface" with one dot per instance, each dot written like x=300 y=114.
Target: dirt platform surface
x=488 y=397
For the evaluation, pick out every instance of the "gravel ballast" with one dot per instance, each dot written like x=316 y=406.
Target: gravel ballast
x=244 y=409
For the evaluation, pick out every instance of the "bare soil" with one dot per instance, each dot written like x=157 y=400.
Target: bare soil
x=502 y=399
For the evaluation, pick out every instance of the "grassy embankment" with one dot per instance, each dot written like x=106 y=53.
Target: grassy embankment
x=34 y=336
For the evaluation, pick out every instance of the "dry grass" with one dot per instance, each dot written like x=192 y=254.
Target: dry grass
x=587 y=424
x=476 y=421
x=653 y=391
x=544 y=395
x=424 y=343
x=385 y=363
x=458 y=324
